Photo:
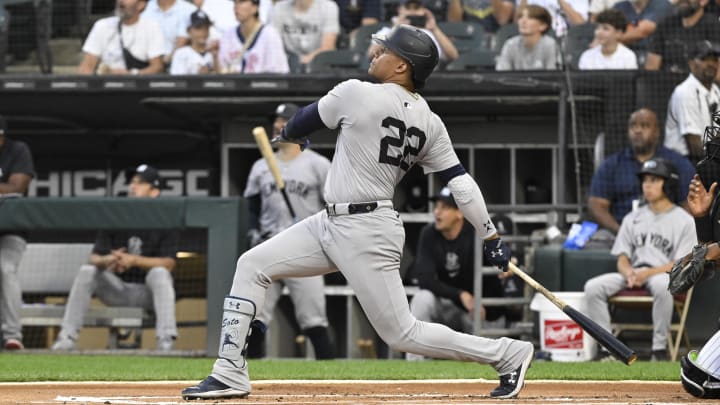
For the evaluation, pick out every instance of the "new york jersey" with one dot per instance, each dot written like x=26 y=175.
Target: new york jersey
x=304 y=179
x=384 y=131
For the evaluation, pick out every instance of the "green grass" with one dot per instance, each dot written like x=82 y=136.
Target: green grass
x=39 y=367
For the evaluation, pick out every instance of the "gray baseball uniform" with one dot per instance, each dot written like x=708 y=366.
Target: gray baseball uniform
x=304 y=180
x=384 y=130
x=648 y=240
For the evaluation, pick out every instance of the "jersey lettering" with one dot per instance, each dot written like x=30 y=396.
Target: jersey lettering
x=403 y=141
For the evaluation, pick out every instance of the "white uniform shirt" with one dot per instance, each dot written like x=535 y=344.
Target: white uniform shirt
x=143 y=39
x=266 y=53
x=653 y=240
x=173 y=21
x=187 y=61
x=384 y=131
x=594 y=59
x=302 y=32
x=689 y=112
x=559 y=23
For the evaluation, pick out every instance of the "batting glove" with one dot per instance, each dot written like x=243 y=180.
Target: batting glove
x=304 y=142
x=496 y=253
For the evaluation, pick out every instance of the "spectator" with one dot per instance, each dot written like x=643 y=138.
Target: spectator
x=608 y=53
x=597 y=6
x=356 y=13
x=643 y=17
x=16 y=173
x=127 y=268
x=251 y=47
x=445 y=269
x=491 y=14
x=676 y=33
x=693 y=102
x=413 y=12
x=305 y=174
x=220 y=13
x=199 y=56
x=532 y=49
x=307 y=27
x=563 y=13
x=650 y=240
x=124 y=44
x=614 y=188
x=174 y=18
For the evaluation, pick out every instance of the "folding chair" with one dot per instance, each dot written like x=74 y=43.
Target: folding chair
x=639 y=298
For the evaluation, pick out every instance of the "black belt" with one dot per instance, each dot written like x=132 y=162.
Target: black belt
x=359 y=208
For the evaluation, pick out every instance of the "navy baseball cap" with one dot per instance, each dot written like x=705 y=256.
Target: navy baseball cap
x=286 y=110
x=199 y=19
x=445 y=196
x=702 y=49
x=148 y=174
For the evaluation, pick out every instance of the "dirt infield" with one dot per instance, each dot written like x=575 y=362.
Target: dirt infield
x=344 y=392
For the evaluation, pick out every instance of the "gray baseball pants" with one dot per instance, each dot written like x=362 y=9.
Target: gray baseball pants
x=308 y=297
x=11 y=251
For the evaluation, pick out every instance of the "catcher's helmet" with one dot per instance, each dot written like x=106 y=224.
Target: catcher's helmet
x=416 y=47
x=663 y=168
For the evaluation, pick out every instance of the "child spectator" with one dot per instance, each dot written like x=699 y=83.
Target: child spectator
x=532 y=49
x=197 y=57
x=608 y=53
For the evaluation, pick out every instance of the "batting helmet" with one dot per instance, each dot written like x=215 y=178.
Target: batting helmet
x=663 y=168
x=416 y=47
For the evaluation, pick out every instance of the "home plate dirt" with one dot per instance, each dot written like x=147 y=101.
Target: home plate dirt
x=353 y=392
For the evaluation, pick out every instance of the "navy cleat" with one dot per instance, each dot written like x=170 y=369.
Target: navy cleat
x=210 y=388
x=512 y=383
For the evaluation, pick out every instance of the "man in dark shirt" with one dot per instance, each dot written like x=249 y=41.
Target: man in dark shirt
x=445 y=271
x=128 y=268
x=668 y=47
x=16 y=172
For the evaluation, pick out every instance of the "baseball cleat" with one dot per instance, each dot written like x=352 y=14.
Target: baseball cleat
x=210 y=388
x=512 y=383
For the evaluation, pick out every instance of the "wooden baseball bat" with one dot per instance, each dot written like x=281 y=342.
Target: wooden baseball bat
x=261 y=139
x=605 y=338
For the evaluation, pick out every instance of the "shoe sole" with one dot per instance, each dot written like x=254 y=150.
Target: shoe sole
x=521 y=378
x=226 y=394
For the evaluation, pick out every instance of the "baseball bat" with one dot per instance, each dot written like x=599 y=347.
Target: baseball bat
x=261 y=139
x=605 y=338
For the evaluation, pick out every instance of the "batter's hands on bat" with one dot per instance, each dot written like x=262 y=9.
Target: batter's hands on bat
x=496 y=253
x=699 y=199
x=304 y=142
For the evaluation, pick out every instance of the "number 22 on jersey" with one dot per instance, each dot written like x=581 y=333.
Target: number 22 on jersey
x=391 y=146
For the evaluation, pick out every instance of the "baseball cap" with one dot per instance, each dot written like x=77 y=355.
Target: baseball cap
x=199 y=19
x=445 y=196
x=703 y=49
x=286 y=110
x=148 y=174
x=418 y=2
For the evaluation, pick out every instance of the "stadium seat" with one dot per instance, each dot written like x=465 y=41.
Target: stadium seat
x=505 y=32
x=639 y=298
x=478 y=59
x=578 y=40
x=341 y=59
x=466 y=36
x=363 y=36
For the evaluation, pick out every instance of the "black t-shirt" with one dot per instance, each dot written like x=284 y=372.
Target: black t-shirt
x=15 y=158
x=148 y=243
x=447 y=267
x=671 y=40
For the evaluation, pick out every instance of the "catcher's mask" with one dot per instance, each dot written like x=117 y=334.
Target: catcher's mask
x=709 y=168
x=662 y=168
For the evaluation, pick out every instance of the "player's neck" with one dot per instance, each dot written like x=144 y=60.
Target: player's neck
x=453 y=232
x=287 y=152
x=661 y=205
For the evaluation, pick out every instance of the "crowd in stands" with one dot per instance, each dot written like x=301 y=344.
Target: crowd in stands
x=286 y=36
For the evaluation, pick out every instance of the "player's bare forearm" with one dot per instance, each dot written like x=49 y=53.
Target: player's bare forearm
x=147 y=263
x=624 y=266
x=17 y=183
x=102 y=261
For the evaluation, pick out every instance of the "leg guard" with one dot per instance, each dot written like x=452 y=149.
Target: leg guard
x=696 y=381
x=238 y=313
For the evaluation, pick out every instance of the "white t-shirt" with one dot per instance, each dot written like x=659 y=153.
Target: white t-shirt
x=187 y=61
x=302 y=32
x=559 y=23
x=143 y=39
x=173 y=21
x=689 y=112
x=266 y=53
x=594 y=59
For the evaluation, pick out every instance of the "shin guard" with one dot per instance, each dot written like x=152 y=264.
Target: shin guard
x=238 y=313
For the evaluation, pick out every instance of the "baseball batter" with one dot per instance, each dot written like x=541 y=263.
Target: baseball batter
x=304 y=175
x=650 y=239
x=384 y=129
